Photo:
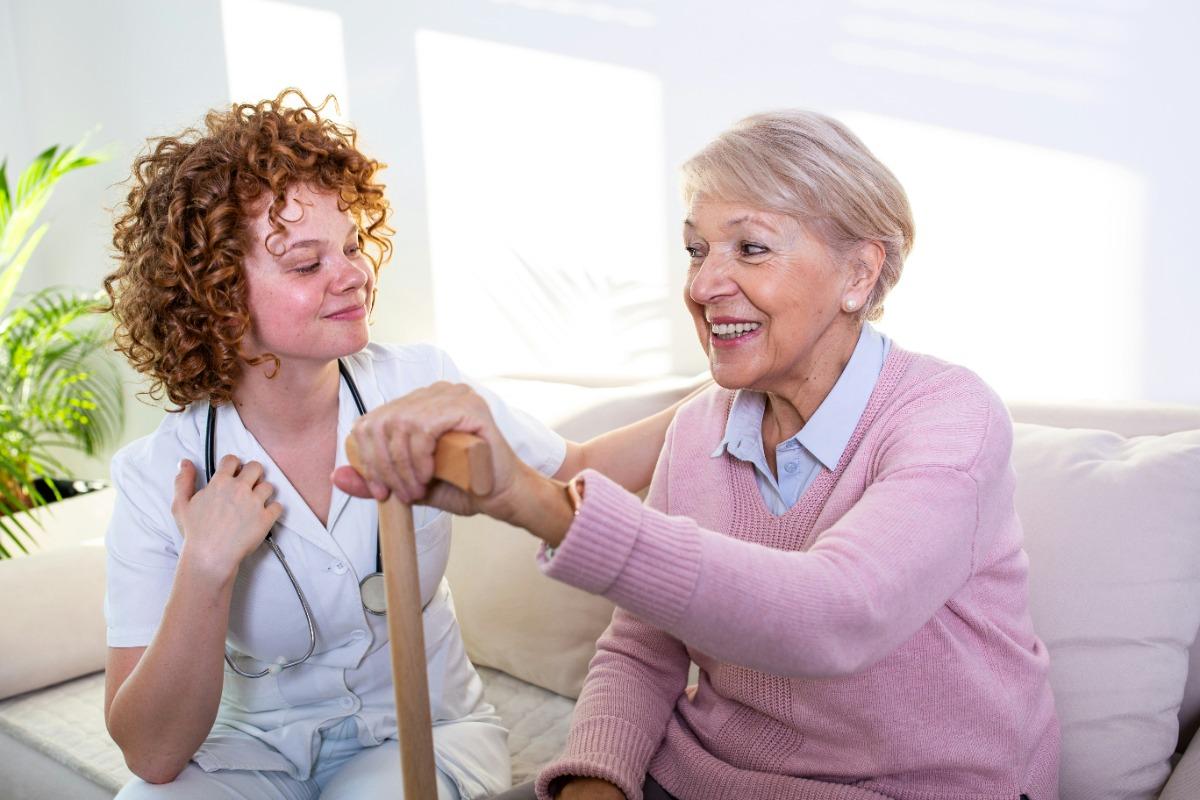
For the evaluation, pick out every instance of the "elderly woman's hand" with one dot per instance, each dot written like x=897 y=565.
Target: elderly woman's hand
x=396 y=444
x=590 y=789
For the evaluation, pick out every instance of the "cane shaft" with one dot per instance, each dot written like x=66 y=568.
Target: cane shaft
x=406 y=633
x=465 y=461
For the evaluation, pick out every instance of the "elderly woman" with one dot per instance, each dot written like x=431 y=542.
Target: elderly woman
x=829 y=535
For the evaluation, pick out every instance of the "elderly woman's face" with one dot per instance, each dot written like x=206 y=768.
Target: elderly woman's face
x=764 y=293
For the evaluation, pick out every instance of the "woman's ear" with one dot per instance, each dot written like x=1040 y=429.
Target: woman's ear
x=866 y=262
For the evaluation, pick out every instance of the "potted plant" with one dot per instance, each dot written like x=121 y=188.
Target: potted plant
x=59 y=388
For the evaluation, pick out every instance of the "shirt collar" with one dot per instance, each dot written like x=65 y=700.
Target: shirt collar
x=232 y=437
x=828 y=431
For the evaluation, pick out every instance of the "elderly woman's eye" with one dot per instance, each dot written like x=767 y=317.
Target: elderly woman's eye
x=752 y=249
x=694 y=252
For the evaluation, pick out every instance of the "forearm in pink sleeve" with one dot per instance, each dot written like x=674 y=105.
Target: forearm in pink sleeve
x=634 y=679
x=871 y=581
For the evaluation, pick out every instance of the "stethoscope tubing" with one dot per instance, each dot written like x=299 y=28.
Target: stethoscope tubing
x=210 y=454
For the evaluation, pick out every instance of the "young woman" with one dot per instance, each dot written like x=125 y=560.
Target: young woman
x=248 y=255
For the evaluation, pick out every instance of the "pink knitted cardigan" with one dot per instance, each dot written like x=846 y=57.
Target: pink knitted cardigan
x=872 y=642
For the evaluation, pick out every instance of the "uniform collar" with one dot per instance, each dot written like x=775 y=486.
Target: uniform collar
x=828 y=431
x=234 y=438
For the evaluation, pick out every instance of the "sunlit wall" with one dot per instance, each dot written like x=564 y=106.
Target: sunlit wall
x=546 y=210
x=270 y=45
x=532 y=148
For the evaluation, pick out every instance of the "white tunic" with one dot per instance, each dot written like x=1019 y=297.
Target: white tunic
x=273 y=722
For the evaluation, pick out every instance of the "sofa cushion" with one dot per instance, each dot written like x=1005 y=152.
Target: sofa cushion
x=1112 y=528
x=513 y=617
x=64 y=725
x=54 y=597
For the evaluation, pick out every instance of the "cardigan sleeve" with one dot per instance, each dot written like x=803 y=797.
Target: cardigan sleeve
x=632 y=684
x=867 y=584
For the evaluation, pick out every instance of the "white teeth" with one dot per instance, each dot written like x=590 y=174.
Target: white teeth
x=729 y=331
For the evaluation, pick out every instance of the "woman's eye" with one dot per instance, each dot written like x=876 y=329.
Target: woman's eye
x=752 y=249
x=307 y=268
x=694 y=252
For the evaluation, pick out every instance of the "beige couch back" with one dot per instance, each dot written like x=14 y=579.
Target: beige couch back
x=1131 y=420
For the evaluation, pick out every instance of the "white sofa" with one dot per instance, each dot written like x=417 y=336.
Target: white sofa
x=1110 y=498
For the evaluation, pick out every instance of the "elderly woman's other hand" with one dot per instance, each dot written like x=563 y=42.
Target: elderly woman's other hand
x=590 y=789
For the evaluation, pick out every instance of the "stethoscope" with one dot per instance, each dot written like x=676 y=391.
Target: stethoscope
x=371 y=588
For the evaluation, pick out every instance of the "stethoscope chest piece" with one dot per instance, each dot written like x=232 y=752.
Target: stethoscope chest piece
x=374 y=593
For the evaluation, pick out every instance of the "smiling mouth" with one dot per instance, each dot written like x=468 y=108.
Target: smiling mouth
x=726 y=332
x=352 y=311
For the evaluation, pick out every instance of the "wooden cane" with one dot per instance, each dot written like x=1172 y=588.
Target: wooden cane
x=465 y=461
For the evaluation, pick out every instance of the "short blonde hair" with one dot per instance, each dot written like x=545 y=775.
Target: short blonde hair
x=811 y=167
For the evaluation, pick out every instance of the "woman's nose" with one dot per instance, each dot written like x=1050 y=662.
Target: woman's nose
x=711 y=281
x=353 y=275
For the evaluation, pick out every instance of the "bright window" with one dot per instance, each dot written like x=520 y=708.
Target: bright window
x=1015 y=246
x=546 y=210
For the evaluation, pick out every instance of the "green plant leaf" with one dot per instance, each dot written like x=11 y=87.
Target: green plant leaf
x=58 y=385
x=5 y=204
x=60 y=376
x=34 y=187
x=10 y=274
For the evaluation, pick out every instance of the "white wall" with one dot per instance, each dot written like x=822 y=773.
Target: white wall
x=1081 y=84
x=122 y=71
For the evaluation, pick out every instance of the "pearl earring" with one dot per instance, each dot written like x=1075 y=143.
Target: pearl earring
x=851 y=304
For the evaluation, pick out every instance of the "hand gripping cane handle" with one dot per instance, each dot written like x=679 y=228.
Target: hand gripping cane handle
x=465 y=461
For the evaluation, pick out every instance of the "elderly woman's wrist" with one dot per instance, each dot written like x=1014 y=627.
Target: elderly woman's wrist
x=545 y=509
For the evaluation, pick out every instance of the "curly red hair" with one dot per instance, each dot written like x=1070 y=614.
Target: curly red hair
x=178 y=294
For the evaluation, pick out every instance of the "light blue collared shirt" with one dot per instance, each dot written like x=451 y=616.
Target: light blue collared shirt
x=822 y=440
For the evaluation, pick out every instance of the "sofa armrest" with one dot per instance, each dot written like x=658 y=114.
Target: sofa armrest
x=1185 y=780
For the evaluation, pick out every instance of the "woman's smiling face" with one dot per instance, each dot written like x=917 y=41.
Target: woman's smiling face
x=310 y=287
x=765 y=295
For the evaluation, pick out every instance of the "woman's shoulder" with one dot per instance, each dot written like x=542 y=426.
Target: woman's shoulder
x=944 y=409
x=919 y=376
x=178 y=436
x=708 y=404
x=144 y=470
x=400 y=368
x=703 y=416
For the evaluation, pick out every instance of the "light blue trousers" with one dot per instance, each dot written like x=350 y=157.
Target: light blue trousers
x=345 y=770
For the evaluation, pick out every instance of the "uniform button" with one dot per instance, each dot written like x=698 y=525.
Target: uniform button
x=338 y=567
x=347 y=702
x=791 y=467
x=357 y=634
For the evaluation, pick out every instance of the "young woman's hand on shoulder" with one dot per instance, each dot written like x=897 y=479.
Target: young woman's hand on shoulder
x=226 y=520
